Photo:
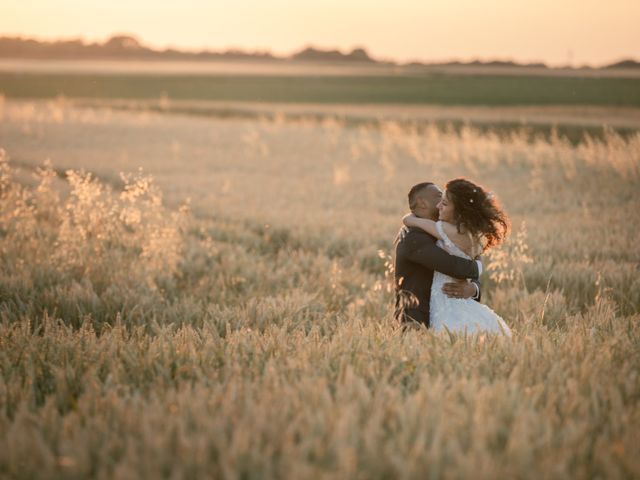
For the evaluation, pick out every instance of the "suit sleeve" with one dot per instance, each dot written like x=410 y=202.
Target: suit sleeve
x=422 y=249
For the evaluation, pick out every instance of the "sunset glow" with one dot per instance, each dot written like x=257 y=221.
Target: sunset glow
x=556 y=32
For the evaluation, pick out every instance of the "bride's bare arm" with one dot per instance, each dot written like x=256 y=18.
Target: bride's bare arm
x=429 y=226
x=462 y=241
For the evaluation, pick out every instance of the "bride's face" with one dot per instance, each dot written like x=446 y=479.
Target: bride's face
x=445 y=209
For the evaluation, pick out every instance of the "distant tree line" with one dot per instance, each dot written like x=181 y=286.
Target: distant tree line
x=117 y=47
x=127 y=47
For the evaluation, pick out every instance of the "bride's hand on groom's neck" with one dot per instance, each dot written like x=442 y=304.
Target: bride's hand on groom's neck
x=404 y=230
x=405 y=226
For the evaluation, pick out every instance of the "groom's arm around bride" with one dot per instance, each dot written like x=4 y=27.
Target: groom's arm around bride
x=416 y=258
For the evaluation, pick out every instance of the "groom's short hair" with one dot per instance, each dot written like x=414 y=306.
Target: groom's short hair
x=415 y=190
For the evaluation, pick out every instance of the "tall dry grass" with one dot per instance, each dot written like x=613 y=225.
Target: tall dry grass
x=255 y=340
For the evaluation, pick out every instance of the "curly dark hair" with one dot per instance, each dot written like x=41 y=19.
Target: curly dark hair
x=478 y=211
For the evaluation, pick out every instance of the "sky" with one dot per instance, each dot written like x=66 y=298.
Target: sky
x=557 y=32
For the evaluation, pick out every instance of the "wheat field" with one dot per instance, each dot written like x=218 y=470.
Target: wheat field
x=225 y=312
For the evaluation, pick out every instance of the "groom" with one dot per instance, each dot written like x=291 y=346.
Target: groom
x=417 y=257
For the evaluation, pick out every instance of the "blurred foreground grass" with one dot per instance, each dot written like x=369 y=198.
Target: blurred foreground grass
x=250 y=335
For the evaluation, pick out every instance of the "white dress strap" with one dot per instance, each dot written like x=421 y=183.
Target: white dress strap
x=450 y=246
x=445 y=238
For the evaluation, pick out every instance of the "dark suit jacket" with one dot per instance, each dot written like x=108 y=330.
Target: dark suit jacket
x=417 y=257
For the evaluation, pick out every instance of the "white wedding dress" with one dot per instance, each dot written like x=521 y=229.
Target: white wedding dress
x=459 y=314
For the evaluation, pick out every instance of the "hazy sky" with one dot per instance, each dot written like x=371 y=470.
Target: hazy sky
x=553 y=31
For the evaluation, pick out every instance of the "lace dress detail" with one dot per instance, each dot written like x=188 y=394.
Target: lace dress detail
x=459 y=314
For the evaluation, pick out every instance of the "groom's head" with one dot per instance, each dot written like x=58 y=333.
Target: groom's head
x=423 y=200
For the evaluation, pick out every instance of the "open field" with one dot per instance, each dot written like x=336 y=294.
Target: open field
x=570 y=102
x=432 y=88
x=250 y=334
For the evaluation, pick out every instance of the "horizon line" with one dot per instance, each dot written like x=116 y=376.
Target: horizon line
x=280 y=56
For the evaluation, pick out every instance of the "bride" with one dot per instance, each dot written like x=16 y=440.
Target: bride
x=471 y=222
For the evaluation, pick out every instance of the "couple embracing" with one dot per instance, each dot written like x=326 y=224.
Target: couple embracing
x=436 y=267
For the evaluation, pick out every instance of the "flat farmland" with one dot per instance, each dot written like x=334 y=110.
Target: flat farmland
x=407 y=89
